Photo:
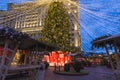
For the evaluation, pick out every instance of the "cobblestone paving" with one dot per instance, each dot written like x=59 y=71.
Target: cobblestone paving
x=95 y=73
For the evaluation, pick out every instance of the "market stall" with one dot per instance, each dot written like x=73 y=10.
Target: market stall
x=17 y=48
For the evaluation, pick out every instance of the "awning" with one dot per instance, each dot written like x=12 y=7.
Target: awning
x=109 y=40
x=23 y=40
x=114 y=37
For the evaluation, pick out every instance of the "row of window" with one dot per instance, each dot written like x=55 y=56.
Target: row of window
x=26 y=26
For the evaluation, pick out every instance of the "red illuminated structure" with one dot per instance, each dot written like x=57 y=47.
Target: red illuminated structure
x=58 y=58
x=1 y=51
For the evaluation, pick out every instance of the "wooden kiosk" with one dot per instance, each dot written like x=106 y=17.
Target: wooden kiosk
x=110 y=42
x=10 y=42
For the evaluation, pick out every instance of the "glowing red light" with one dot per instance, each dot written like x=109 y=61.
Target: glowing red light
x=57 y=58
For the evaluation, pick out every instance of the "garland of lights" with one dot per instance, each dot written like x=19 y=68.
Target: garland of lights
x=7 y=33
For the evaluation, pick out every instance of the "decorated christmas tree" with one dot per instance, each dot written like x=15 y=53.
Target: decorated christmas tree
x=56 y=26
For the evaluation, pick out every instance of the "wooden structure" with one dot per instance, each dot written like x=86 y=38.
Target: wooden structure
x=11 y=40
x=110 y=42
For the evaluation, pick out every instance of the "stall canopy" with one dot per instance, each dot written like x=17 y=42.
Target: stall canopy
x=30 y=43
x=24 y=41
x=108 y=40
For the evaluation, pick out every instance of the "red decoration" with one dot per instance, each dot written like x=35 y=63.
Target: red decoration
x=1 y=51
x=57 y=58
x=26 y=52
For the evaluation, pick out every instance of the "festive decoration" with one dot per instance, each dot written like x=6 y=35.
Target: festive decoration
x=7 y=33
x=58 y=58
x=56 y=26
x=1 y=50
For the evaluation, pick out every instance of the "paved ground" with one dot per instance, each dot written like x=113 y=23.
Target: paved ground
x=95 y=73
x=40 y=76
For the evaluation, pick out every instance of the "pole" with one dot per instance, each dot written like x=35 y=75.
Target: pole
x=111 y=63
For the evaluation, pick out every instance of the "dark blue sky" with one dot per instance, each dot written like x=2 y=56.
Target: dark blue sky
x=3 y=3
x=97 y=18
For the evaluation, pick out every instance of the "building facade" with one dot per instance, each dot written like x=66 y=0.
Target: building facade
x=28 y=18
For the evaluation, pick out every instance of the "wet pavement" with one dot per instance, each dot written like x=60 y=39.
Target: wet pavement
x=39 y=76
x=95 y=73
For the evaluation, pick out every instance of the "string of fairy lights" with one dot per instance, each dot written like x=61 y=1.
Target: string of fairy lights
x=95 y=19
x=98 y=20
